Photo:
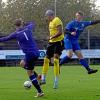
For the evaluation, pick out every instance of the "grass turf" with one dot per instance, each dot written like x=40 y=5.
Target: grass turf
x=74 y=84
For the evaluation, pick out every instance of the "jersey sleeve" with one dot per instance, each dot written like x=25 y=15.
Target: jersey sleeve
x=87 y=23
x=9 y=37
x=70 y=27
x=95 y=22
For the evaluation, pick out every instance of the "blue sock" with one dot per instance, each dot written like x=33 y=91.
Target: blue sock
x=64 y=60
x=35 y=83
x=84 y=64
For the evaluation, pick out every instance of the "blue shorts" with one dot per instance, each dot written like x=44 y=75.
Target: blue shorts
x=74 y=45
x=30 y=61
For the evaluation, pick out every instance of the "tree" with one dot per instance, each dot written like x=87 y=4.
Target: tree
x=35 y=10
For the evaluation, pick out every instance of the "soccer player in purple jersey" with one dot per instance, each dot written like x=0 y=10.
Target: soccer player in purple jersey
x=72 y=32
x=23 y=35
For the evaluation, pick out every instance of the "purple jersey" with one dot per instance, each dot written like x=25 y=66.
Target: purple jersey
x=25 y=39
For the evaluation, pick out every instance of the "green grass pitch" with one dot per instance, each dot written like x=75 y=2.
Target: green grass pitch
x=74 y=84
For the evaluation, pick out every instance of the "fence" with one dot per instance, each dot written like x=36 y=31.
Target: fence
x=89 y=39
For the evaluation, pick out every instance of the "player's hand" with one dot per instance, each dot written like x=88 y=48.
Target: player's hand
x=51 y=37
x=73 y=33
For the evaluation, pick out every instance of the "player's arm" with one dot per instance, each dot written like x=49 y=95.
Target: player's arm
x=88 y=23
x=68 y=31
x=9 y=37
x=60 y=32
x=69 y=28
x=95 y=22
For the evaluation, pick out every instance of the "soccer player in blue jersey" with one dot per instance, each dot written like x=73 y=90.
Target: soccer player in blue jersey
x=23 y=35
x=72 y=32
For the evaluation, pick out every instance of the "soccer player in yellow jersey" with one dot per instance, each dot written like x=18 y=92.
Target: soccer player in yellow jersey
x=55 y=46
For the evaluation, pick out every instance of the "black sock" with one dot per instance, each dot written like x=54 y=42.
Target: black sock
x=88 y=69
x=35 y=74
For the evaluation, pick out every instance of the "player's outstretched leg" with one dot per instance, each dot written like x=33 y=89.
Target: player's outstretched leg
x=85 y=64
x=64 y=60
x=36 y=85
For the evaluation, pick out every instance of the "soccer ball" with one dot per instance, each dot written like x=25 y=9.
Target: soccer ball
x=27 y=85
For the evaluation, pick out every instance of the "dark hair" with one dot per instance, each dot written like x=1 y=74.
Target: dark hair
x=18 y=22
x=81 y=13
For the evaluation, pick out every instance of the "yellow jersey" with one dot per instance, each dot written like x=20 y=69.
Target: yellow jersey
x=53 y=29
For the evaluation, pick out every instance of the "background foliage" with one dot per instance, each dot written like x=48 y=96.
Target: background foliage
x=35 y=10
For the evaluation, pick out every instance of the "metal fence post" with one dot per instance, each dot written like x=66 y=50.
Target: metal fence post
x=55 y=5
x=89 y=44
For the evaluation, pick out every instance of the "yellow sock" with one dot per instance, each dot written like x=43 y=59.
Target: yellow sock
x=45 y=66
x=56 y=67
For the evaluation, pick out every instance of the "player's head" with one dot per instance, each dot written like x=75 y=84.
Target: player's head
x=79 y=15
x=49 y=14
x=18 y=23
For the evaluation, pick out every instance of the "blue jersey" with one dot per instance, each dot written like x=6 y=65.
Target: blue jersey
x=25 y=39
x=71 y=42
x=78 y=27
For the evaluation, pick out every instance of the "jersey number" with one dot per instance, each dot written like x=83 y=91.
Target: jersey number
x=25 y=36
